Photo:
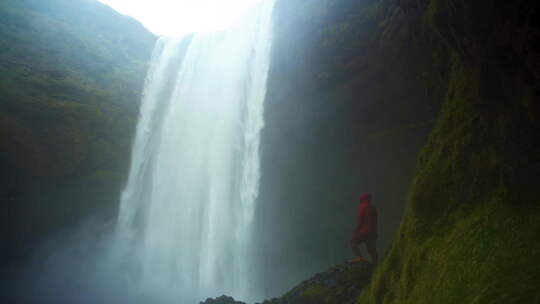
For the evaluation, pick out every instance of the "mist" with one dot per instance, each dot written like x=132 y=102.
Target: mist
x=185 y=218
x=329 y=136
x=87 y=263
x=75 y=266
x=246 y=166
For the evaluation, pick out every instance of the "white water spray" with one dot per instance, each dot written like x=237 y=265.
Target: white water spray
x=187 y=211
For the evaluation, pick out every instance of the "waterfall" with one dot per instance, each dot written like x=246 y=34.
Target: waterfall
x=187 y=211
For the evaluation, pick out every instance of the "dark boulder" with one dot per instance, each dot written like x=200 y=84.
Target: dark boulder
x=341 y=284
x=222 y=300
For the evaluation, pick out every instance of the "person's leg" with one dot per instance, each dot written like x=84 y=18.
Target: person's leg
x=355 y=246
x=371 y=245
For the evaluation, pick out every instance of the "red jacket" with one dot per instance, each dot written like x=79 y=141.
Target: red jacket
x=366 y=220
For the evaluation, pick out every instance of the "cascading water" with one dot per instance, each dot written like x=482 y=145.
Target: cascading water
x=187 y=210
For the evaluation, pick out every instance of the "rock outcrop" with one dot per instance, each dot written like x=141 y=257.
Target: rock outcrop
x=340 y=284
x=222 y=300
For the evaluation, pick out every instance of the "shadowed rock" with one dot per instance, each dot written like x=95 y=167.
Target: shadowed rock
x=222 y=300
x=340 y=284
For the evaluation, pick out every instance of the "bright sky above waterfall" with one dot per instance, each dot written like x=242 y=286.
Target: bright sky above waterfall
x=173 y=17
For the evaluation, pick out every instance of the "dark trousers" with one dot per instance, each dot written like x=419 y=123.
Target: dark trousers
x=371 y=246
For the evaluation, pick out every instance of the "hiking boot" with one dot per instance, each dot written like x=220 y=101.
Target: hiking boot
x=357 y=259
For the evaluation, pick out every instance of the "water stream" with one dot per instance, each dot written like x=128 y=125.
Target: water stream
x=187 y=211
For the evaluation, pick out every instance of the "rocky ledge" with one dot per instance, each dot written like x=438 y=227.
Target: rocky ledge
x=340 y=284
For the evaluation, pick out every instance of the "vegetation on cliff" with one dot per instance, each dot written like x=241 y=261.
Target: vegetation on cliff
x=71 y=74
x=368 y=68
x=355 y=87
x=470 y=230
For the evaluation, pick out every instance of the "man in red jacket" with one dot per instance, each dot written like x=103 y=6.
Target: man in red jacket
x=366 y=230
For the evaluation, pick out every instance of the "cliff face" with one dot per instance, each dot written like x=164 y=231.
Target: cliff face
x=470 y=230
x=345 y=114
x=360 y=81
x=71 y=74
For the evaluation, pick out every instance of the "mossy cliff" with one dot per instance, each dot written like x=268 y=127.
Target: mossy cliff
x=472 y=219
x=469 y=233
x=71 y=75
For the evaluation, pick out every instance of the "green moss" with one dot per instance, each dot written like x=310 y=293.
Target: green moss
x=340 y=284
x=464 y=239
x=469 y=233
x=323 y=295
x=487 y=257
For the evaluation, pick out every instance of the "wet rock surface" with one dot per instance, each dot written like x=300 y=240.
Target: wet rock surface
x=222 y=300
x=340 y=284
